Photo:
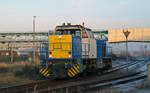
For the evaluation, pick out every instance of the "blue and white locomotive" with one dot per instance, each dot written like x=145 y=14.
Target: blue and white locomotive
x=73 y=50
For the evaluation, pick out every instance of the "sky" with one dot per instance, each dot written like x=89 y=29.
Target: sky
x=17 y=15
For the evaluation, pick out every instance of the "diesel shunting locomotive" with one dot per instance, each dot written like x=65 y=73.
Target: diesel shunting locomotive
x=72 y=50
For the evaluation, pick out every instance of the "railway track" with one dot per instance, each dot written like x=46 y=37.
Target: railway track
x=118 y=81
x=119 y=67
x=92 y=85
x=52 y=85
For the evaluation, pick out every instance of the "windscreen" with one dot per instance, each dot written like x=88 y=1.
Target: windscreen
x=74 y=33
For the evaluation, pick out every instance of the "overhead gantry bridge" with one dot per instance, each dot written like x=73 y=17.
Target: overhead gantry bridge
x=23 y=37
x=39 y=36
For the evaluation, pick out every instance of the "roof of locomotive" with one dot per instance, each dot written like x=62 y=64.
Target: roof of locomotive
x=71 y=27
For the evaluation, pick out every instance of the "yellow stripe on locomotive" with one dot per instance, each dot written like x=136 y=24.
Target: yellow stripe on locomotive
x=45 y=71
x=73 y=71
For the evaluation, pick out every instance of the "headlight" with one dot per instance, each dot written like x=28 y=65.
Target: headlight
x=50 y=54
x=69 y=53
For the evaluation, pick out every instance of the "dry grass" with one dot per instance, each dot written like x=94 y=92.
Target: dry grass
x=8 y=78
x=7 y=67
x=2 y=64
x=17 y=72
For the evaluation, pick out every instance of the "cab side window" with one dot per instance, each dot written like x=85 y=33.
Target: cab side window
x=91 y=34
x=78 y=33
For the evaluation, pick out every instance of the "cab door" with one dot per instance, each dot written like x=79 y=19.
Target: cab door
x=88 y=45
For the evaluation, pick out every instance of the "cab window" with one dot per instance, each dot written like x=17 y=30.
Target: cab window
x=78 y=33
x=74 y=33
x=91 y=35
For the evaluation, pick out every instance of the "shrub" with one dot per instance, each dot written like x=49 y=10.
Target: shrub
x=4 y=69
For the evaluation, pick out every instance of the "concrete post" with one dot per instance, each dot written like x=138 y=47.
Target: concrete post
x=11 y=54
x=67 y=90
x=126 y=35
x=127 y=52
x=145 y=52
x=27 y=91
x=148 y=73
x=34 y=38
x=35 y=87
x=79 y=89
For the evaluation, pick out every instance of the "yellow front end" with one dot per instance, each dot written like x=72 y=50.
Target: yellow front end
x=60 y=46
